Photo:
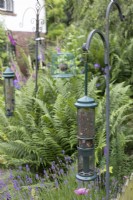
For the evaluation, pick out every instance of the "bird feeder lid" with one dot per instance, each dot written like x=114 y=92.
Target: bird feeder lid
x=85 y=102
x=8 y=73
x=86 y=178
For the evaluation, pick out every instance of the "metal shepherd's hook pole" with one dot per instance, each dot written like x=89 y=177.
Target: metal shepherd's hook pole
x=37 y=36
x=113 y=2
x=86 y=76
x=38 y=22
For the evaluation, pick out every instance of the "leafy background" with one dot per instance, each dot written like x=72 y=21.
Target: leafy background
x=44 y=126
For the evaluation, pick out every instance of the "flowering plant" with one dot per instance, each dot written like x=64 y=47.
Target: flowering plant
x=81 y=191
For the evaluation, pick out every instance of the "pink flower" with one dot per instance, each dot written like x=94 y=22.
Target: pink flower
x=81 y=191
x=125 y=177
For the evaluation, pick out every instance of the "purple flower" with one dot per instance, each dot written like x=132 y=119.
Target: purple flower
x=56 y=183
x=29 y=180
x=27 y=168
x=41 y=57
x=8 y=196
x=68 y=159
x=63 y=152
x=2 y=184
x=11 y=175
x=107 y=69
x=81 y=191
x=61 y=171
x=97 y=66
x=45 y=174
x=37 y=177
x=44 y=171
x=18 y=76
x=16 y=84
x=13 y=42
x=20 y=168
x=16 y=185
x=98 y=85
x=53 y=176
x=58 y=49
x=53 y=167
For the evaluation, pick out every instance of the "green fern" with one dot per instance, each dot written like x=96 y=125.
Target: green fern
x=44 y=126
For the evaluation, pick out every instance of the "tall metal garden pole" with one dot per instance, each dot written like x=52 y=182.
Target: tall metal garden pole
x=36 y=46
x=86 y=118
x=113 y=2
x=39 y=24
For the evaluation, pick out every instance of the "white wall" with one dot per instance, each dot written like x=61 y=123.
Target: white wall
x=25 y=11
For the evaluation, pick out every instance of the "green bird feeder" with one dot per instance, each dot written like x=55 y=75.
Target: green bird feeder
x=86 y=133
x=9 y=91
x=63 y=65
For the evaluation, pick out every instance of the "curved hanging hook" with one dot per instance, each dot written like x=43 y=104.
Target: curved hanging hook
x=37 y=10
x=86 y=46
x=118 y=7
x=113 y=2
x=30 y=8
x=122 y=17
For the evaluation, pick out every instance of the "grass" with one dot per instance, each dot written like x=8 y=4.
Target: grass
x=128 y=194
x=54 y=184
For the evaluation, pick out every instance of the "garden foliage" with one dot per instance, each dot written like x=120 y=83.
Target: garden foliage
x=46 y=124
x=43 y=127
